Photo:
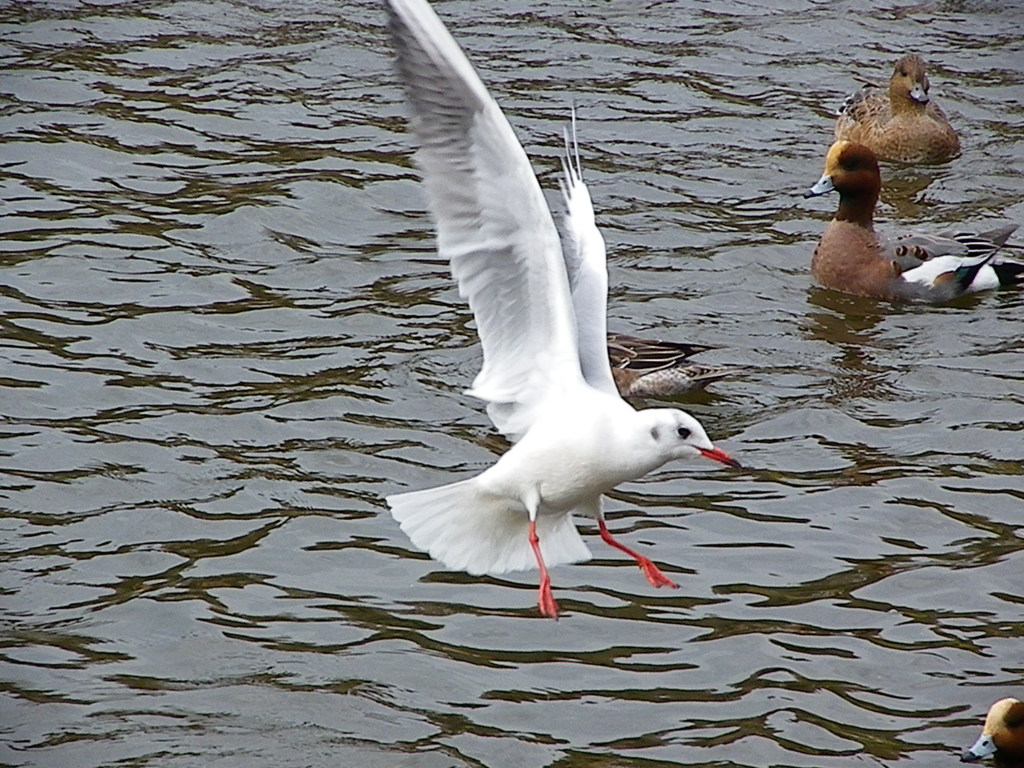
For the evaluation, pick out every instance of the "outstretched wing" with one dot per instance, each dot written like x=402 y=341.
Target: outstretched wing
x=588 y=270
x=492 y=223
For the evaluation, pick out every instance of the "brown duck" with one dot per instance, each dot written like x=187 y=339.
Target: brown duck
x=1002 y=737
x=851 y=257
x=655 y=368
x=903 y=125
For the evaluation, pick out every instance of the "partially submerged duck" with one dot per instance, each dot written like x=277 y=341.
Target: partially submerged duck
x=656 y=368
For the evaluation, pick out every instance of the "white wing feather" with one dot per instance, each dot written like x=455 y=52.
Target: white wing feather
x=587 y=266
x=931 y=270
x=492 y=223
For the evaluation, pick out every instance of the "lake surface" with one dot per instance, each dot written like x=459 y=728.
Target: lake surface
x=226 y=336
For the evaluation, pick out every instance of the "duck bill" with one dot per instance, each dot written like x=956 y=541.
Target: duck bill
x=718 y=454
x=982 y=748
x=919 y=94
x=823 y=186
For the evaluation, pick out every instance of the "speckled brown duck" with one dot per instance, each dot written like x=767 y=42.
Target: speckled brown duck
x=851 y=257
x=656 y=368
x=902 y=124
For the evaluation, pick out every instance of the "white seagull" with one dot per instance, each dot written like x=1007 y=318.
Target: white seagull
x=541 y=316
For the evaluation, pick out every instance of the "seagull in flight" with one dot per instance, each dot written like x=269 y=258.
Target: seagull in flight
x=540 y=313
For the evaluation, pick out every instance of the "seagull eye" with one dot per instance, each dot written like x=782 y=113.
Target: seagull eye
x=683 y=432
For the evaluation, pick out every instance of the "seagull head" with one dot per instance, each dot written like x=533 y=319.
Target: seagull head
x=680 y=436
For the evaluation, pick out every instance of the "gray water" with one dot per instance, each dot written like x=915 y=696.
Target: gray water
x=226 y=337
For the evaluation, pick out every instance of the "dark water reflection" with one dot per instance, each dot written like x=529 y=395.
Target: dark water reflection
x=225 y=336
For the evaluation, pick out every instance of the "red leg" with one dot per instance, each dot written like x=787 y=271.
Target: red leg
x=545 y=600
x=651 y=571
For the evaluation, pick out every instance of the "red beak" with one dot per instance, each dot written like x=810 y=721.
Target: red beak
x=719 y=455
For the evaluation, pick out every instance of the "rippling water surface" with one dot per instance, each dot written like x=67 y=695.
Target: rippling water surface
x=226 y=336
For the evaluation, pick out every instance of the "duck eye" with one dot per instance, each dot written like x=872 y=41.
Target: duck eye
x=683 y=432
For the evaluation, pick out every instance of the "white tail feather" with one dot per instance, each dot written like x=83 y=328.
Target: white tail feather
x=480 y=533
